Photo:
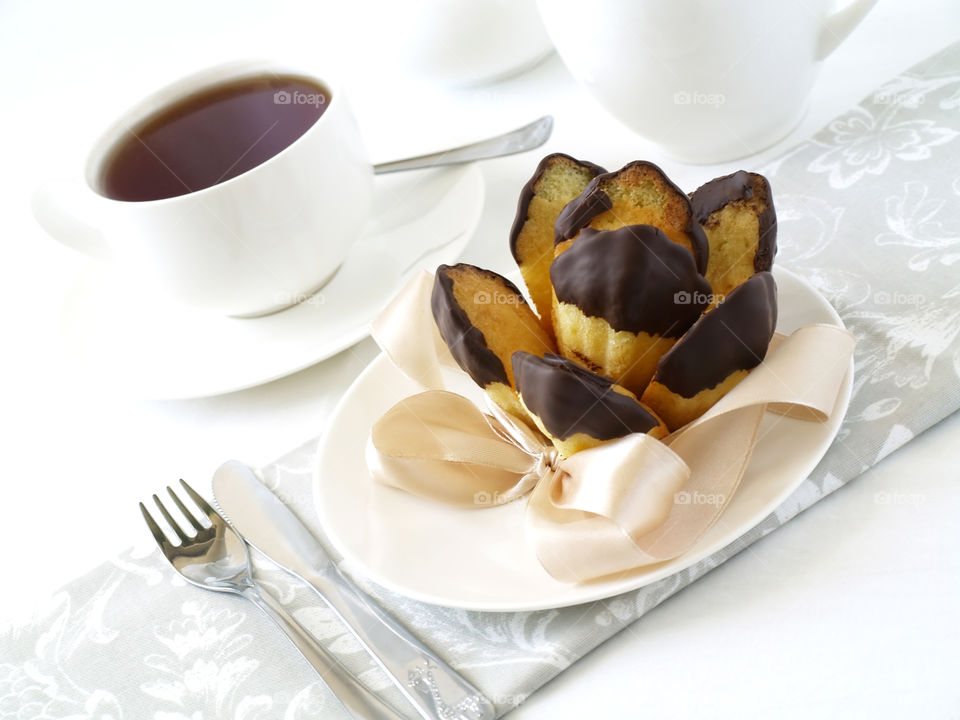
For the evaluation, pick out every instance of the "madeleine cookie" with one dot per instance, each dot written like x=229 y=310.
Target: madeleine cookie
x=578 y=409
x=637 y=194
x=623 y=298
x=558 y=179
x=716 y=353
x=483 y=318
x=736 y=213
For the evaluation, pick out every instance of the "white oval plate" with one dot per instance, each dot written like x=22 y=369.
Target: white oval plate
x=113 y=332
x=478 y=559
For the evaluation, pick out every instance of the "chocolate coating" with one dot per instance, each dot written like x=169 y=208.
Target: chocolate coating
x=719 y=192
x=713 y=195
x=634 y=277
x=529 y=189
x=570 y=399
x=733 y=336
x=593 y=200
x=578 y=213
x=466 y=342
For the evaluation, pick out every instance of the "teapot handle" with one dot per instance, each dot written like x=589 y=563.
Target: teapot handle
x=838 y=25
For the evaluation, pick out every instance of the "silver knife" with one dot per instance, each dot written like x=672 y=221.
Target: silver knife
x=434 y=688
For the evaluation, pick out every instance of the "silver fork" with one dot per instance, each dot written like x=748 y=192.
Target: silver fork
x=215 y=557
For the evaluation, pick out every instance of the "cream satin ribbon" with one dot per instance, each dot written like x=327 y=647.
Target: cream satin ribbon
x=631 y=502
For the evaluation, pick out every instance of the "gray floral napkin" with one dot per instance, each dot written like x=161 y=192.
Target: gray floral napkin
x=869 y=212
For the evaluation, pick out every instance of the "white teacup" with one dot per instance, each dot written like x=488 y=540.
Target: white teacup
x=249 y=245
x=707 y=80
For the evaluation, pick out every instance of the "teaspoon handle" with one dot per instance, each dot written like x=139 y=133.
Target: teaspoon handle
x=520 y=140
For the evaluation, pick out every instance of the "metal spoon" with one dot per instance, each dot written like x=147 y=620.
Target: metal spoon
x=520 y=140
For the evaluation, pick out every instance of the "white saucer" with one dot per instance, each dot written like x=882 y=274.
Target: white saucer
x=479 y=559
x=113 y=332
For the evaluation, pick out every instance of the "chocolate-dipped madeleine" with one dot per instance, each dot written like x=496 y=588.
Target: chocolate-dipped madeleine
x=736 y=213
x=557 y=180
x=716 y=353
x=578 y=409
x=622 y=299
x=483 y=318
x=639 y=193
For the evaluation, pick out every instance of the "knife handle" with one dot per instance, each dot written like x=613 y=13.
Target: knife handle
x=359 y=702
x=435 y=689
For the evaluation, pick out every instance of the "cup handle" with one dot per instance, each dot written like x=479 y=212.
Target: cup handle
x=62 y=207
x=841 y=23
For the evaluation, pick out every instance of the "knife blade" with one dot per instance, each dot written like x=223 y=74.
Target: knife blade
x=434 y=688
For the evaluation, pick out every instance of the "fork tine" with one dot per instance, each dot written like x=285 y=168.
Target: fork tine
x=183 y=508
x=169 y=518
x=155 y=529
x=198 y=499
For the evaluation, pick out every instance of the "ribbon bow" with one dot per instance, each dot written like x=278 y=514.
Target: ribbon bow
x=624 y=504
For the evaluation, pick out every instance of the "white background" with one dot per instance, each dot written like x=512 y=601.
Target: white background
x=852 y=609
